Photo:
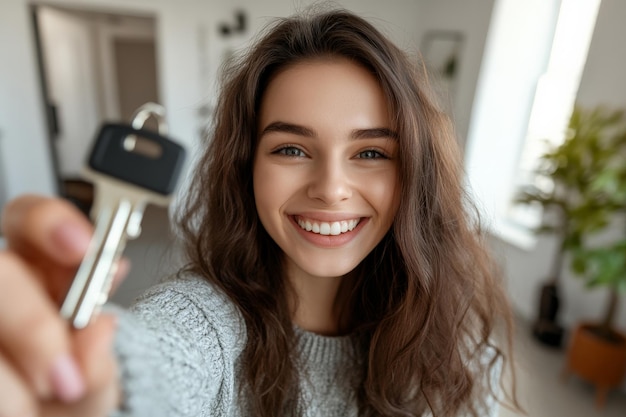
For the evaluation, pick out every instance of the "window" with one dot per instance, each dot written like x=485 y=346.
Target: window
x=534 y=58
x=554 y=98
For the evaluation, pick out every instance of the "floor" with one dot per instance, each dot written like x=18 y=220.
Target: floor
x=543 y=392
x=153 y=256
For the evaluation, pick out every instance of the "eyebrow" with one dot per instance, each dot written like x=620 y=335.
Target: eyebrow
x=294 y=129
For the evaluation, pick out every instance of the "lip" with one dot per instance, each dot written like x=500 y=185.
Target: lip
x=328 y=241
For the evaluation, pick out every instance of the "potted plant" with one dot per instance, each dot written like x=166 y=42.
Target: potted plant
x=572 y=207
x=598 y=349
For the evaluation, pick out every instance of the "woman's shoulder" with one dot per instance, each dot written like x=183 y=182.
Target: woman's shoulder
x=193 y=302
x=178 y=347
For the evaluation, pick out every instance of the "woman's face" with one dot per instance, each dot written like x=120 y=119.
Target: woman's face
x=325 y=169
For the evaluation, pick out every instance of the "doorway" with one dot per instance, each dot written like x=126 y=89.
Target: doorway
x=94 y=67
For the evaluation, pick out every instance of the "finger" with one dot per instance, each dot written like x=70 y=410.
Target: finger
x=51 y=234
x=58 y=279
x=33 y=335
x=37 y=226
x=121 y=271
x=98 y=405
x=17 y=398
x=93 y=347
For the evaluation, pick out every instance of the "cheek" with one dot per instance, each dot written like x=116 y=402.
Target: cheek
x=269 y=188
x=260 y=190
x=383 y=192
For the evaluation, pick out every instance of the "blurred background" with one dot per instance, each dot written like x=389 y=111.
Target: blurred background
x=509 y=72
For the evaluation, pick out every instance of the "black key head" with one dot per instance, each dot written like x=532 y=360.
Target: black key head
x=137 y=156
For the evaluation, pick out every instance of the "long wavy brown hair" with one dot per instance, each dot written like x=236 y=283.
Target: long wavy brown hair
x=428 y=298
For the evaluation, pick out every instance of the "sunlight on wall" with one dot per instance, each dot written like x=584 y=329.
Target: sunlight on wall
x=554 y=99
x=528 y=83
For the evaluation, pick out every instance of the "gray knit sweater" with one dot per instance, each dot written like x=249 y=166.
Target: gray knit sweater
x=179 y=352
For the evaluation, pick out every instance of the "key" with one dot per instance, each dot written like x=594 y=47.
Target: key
x=130 y=167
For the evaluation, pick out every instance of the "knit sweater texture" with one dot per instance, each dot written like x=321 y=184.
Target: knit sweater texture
x=179 y=352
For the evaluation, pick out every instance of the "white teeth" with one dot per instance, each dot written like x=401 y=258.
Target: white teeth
x=324 y=228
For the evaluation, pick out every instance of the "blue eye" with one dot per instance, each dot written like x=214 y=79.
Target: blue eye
x=371 y=154
x=291 y=151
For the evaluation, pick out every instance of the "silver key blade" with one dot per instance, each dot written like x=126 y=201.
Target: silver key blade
x=118 y=208
x=90 y=287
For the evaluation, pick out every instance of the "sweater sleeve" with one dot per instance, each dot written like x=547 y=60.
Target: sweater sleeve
x=493 y=401
x=491 y=406
x=177 y=350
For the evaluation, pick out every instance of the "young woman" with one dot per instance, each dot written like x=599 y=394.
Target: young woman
x=333 y=269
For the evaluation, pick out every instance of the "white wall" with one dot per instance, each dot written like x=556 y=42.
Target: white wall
x=3 y=193
x=602 y=83
x=471 y=19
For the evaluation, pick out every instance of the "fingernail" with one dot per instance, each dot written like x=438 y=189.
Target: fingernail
x=67 y=382
x=71 y=237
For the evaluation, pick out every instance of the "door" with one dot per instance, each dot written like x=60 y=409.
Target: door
x=69 y=67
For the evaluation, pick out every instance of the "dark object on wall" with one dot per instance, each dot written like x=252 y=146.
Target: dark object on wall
x=442 y=50
x=240 y=26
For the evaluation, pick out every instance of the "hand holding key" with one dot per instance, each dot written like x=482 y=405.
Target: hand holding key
x=44 y=366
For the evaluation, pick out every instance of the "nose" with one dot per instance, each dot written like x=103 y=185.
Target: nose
x=329 y=183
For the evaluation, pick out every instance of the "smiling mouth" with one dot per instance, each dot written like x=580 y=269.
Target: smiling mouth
x=327 y=228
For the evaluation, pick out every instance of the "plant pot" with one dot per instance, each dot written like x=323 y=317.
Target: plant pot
x=548 y=332
x=546 y=329
x=597 y=359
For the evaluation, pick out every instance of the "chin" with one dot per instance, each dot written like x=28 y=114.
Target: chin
x=328 y=271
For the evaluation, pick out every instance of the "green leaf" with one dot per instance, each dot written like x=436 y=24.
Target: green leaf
x=588 y=173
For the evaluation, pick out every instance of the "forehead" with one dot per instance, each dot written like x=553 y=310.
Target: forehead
x=326 y=85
